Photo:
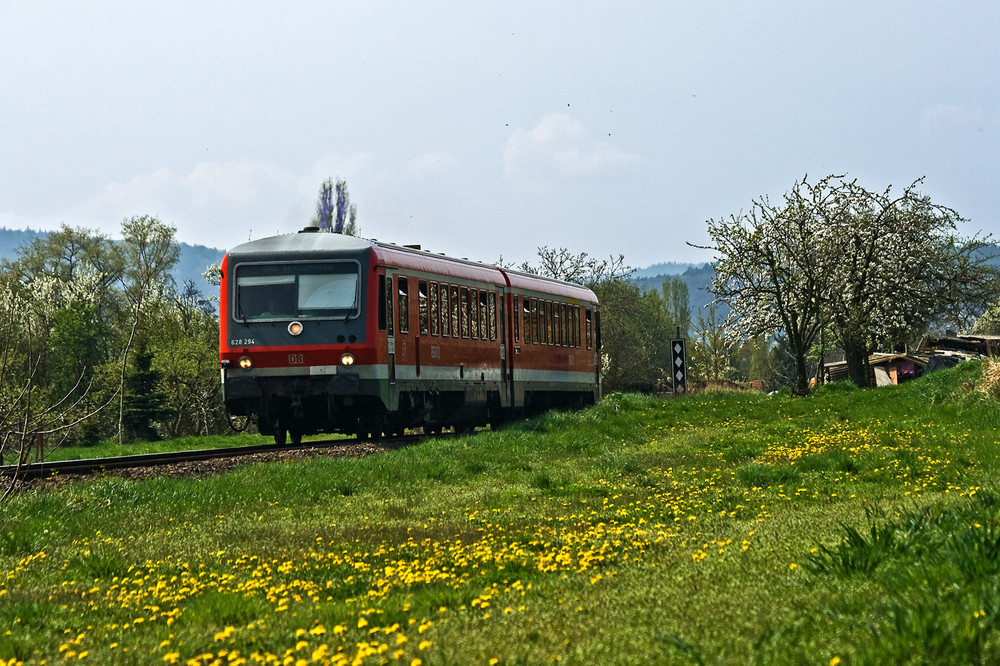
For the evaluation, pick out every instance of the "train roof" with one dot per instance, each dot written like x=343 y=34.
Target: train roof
x=302 y=242
x=320 y=243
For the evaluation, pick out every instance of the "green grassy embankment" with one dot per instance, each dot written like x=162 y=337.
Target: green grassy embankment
x=847 y=527
x=112 y=448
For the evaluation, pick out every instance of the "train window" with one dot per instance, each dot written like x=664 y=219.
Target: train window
x=565 y=325
x=576 y=326
x=526 y=312
x=473 y=306
x=422 y=314
x=387 y=295
x=534 y=321
x=549 y=338
x=558 y=322
x=517 y=319
x=555 y=323
x=464 y=311
x=501 y=320
x=404 y=310
x=590 y=329
x=493 y=315
x=445 y=312
x=381 y=302
x=484 y=325
x=554 y=317
x=561 y=323
x=435 y=312
x=542 y=335
x=455 y=302
x=327 y=290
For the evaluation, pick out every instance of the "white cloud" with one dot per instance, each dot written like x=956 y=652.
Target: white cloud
x=214 y=204
x=233 y=186
x=558 y=145
x=947 y=117
x=218 y=204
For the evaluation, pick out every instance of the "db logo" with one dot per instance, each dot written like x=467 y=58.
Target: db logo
x=296 y=359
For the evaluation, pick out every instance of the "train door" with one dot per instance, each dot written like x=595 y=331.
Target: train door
x=388 y=298
x=403 y=347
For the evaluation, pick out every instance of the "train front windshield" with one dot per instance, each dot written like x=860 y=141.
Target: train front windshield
x=328 y=290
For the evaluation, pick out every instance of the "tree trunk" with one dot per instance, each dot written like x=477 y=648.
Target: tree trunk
x=856 y=356
x=801 y=375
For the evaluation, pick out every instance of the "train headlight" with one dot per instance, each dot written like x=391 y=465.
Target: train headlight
x=347 y=359
x=295 y=327
x=245 y=362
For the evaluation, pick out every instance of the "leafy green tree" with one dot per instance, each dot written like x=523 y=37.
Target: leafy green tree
x=68 y=253
x=150 y=251
x=77 y=345
x=144 y=403
x=714 y=349
x=37 y=412
x=678 y=305
x=989 y=322
x=186 y=357
x=635 y=336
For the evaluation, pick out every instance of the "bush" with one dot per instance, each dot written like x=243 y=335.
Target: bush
x=990 y=382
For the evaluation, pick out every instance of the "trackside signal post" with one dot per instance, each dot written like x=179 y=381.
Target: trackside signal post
x=678 y=363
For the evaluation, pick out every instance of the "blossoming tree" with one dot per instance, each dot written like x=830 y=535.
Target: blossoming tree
x=873 y=268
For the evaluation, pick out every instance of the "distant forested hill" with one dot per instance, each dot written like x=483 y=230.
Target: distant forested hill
x=11 y=239
x=666 y=268
x=193 y=261
x=697 y=277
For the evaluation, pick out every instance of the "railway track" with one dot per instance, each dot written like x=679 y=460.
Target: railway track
x=93 y=465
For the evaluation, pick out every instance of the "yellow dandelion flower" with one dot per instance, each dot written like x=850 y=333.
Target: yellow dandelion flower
x=171 y=657
x=400 y=639
x=362 y=623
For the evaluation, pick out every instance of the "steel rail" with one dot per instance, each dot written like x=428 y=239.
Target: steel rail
x=88 y=465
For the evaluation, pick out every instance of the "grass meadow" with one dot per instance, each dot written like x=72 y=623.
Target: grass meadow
x=849 y=527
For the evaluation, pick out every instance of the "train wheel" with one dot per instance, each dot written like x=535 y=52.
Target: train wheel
x=279 y=434
x=296 y=436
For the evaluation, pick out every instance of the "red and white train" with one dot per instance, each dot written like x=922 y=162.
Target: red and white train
x=323 y=332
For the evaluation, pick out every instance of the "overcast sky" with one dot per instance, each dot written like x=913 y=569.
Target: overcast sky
x=486 y=129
